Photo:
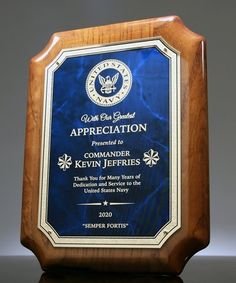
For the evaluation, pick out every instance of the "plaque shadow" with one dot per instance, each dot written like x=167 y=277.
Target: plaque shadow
x=97 y=277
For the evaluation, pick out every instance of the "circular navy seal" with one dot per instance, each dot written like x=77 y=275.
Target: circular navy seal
x=109 y=82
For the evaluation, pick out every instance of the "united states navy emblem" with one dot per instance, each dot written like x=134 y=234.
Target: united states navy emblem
x=109 y=82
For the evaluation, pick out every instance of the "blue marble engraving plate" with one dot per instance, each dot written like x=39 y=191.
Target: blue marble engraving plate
x=109 y=168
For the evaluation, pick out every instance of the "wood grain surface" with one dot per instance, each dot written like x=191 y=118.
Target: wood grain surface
x=194 y=233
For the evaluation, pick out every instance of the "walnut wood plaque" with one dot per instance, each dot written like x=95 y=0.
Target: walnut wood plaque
x=116 y=153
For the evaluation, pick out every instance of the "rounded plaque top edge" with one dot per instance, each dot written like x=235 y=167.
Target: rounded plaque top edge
x=75 y=38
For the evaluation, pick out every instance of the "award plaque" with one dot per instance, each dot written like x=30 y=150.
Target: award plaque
x=116 y=154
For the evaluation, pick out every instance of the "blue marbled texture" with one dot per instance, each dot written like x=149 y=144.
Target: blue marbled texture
x=149 y=98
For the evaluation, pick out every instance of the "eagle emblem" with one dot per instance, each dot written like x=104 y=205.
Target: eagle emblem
x=108 y=83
